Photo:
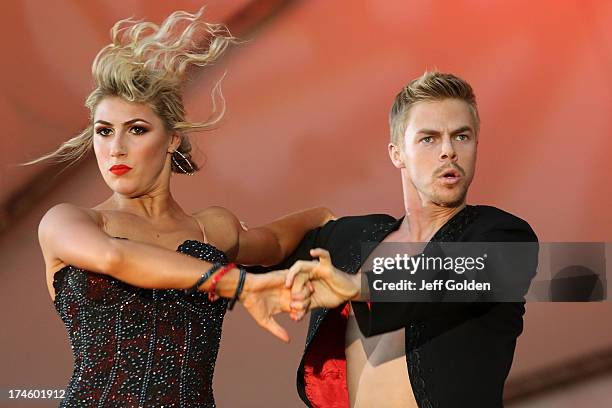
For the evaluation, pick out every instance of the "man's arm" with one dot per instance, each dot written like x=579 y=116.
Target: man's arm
x=382 y=317
x=333 y=287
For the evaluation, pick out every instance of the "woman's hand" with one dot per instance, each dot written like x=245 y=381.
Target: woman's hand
x=265 y=295
x=330 y=286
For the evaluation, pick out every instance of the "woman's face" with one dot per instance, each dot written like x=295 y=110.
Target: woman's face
x=131 y=145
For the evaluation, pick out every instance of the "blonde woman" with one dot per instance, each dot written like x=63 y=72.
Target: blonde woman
x=135 y=279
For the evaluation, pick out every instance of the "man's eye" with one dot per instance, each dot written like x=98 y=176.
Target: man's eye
x=138 y=130
x=462 y=137
x=103 y=131
x=427 y=139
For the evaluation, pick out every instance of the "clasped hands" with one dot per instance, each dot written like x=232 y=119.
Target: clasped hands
x=305 y=286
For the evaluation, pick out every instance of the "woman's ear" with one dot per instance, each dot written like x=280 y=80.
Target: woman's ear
x=396 y=156
x=175 y=142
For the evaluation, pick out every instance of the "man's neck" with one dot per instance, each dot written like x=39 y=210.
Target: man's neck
x=421 y=223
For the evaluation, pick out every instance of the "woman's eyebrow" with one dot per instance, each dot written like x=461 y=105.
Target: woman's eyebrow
x=129 y=122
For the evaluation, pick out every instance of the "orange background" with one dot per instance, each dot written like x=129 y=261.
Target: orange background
x=306 y=125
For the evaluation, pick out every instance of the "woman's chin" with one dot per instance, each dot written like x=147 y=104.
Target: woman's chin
x=124 y=189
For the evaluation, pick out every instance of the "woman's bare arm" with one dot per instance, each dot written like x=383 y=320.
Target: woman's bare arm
x=273 y=242
x=71 y=235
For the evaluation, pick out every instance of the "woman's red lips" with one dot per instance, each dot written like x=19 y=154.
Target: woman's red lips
x=120 y=169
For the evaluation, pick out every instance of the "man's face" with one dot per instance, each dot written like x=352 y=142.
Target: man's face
x=438 y=151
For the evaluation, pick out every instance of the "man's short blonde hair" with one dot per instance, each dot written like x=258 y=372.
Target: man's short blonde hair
x=431 y=86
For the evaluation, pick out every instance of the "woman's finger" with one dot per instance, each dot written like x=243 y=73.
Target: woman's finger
x=276 y=329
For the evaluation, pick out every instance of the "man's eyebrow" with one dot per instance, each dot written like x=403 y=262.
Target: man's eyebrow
x=433 y=132
x=428 y=132
x=462 y=129
x=129 y=122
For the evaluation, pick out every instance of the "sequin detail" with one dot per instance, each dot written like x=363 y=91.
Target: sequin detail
x=450 y=232
x=137 y=347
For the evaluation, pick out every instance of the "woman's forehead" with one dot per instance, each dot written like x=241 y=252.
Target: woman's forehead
x=117 y=110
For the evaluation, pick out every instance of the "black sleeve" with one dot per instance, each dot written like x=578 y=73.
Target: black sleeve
x=382 y=317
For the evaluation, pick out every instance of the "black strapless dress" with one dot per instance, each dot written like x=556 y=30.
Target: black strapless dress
x=137 y=347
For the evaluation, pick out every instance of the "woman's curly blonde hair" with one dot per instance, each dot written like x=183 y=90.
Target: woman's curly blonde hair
x=147 y=63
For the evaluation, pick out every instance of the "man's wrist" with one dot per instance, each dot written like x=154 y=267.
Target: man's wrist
x=356 y=286
x=360 y=283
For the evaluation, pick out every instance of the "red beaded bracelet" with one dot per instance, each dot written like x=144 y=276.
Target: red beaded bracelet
x=211 y=289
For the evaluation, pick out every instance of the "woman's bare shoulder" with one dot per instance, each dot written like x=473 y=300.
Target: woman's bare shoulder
x=221 y=227
x=63 y=211
x=57 y=220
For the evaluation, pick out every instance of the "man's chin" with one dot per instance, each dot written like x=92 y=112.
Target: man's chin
x=449 y=200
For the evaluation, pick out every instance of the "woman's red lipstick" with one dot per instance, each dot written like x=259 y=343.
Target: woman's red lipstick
x=119 y=169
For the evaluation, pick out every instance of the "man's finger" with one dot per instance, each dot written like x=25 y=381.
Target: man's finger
x=301 y=314
x=298 y=305
x=322 y=254
x=295 y=269
x=299 y=309
x=299 y=285
x=301 y=294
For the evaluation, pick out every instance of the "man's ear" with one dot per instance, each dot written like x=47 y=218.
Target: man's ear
x=396 y=156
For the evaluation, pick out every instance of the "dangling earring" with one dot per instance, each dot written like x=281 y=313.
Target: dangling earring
x=189 y=173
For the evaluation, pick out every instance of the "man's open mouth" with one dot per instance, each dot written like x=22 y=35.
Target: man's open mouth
x=451 y=174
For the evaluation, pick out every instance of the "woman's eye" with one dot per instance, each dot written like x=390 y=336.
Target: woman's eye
x=103 y=131
x=138 y=130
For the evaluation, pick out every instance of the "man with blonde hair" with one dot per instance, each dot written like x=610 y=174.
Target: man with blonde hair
x=412 y=354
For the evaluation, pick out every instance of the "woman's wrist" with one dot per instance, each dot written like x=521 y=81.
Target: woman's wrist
x=226 y=286
x=247 y=287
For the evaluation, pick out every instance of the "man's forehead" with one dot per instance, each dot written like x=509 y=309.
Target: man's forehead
x=445 y=115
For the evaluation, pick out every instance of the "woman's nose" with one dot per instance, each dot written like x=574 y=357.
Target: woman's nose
x=117 y=146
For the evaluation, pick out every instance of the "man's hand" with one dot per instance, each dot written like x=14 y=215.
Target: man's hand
x=265 y=295
x=330 y=286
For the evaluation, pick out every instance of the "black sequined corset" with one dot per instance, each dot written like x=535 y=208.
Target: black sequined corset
x=137 y=347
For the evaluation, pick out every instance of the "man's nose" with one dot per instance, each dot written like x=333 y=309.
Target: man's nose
x=447 y=151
